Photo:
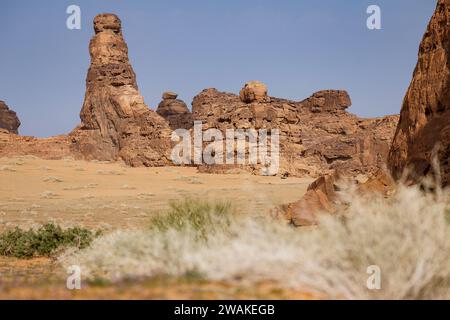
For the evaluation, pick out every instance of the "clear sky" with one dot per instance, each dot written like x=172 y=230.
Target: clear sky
x=296 y=47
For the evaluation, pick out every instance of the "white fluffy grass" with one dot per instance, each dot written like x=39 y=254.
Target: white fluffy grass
x=407 y=236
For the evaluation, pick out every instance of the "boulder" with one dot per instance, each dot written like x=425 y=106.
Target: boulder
x=423 y=133
x=168 y=95
x=322 y=196
x=319 y=198
x=253 y=91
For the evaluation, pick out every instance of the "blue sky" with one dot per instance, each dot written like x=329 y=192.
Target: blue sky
x=296 y=47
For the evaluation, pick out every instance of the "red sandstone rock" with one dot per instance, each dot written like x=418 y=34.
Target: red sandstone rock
x=319 y=198
x=175 y=111
x=316 y=135
x=115 y=121
x=425 y=116
x=322 y=195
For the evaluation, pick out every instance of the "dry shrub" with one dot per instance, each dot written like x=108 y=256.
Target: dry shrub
x=407 y=236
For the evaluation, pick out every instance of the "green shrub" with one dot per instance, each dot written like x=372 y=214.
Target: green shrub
x=203 y=217
x=43 y=241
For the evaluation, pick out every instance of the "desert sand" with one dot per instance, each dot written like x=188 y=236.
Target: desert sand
x=109 y=196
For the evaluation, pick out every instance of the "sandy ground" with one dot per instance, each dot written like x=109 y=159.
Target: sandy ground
x=111 y=195
x=108 y=196
x=42 y=278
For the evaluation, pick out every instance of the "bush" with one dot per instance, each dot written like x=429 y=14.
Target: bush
x=204 y=217
x=43 y=241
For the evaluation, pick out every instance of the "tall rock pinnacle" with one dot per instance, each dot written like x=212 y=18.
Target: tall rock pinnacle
x=424 y=125
x=115 y=121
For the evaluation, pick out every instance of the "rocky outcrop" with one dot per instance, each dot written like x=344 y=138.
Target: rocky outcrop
x=175 y=111
x=115 y=121
x=52 y=148
x=319 y=198
x=8 y=119
x=323 y=195
x=316 y=135
x=424 y=128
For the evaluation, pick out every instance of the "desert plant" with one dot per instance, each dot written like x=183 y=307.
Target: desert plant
x=204 y=217
x=406 y=236
x=43 y=241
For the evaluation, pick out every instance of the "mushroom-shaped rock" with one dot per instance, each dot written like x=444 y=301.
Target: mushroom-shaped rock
x=175 y=111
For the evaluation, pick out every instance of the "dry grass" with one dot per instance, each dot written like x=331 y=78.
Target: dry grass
x=407 y=236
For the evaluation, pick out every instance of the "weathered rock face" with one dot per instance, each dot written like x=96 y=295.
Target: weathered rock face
x=115 y=121
x=175 y=111
x=8 y=119
x=425 y=116
x=316 y=134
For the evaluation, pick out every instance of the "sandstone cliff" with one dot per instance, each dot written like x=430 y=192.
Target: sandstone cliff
x=424 y=127
x=316 y=134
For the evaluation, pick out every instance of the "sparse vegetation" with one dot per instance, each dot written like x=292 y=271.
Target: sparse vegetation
x=406 y=236
x=44 y=241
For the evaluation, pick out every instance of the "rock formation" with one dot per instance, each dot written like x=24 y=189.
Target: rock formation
x=175 y=111
x=115 y=121
x=316 y=134
x=8 y=119
x=323 y=195
x=424 y=128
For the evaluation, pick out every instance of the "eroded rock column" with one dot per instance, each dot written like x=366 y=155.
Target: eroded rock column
x=115 y=121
